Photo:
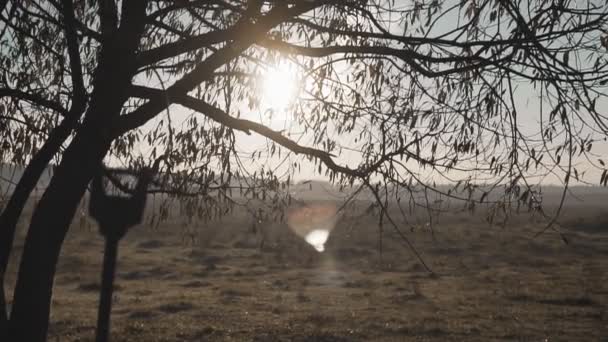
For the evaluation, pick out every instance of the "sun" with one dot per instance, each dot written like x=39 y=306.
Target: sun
x=279 y=88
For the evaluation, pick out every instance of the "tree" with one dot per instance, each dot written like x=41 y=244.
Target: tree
x=394 y=96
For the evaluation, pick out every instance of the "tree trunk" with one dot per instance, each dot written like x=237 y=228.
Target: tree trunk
x=50 y=223
x=52 y=218
x=3 y=316
x=12 y=212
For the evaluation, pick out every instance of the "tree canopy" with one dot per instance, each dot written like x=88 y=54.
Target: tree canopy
x=396 y=96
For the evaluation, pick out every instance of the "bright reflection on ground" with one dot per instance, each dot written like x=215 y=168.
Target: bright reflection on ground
x=279 y=87
x=317 y=239
x=313 y=222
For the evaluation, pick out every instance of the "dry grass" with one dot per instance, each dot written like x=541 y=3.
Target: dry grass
x=491 y=284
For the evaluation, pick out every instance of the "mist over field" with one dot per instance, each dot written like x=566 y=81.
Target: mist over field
x=319 y=170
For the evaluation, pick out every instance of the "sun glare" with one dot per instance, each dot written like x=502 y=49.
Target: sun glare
x=313 y=223
x=279 y=88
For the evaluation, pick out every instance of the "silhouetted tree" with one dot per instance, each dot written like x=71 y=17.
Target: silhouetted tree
x=395 y=96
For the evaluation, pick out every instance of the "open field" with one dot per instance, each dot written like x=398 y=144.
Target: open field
x=214 y=283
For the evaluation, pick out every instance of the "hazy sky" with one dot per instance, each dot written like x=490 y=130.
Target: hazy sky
x=276 y=86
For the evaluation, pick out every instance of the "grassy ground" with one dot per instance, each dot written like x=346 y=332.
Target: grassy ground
x=214 y=283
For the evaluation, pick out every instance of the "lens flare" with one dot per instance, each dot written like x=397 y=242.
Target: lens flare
x=317 y=239
x=313 y=223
